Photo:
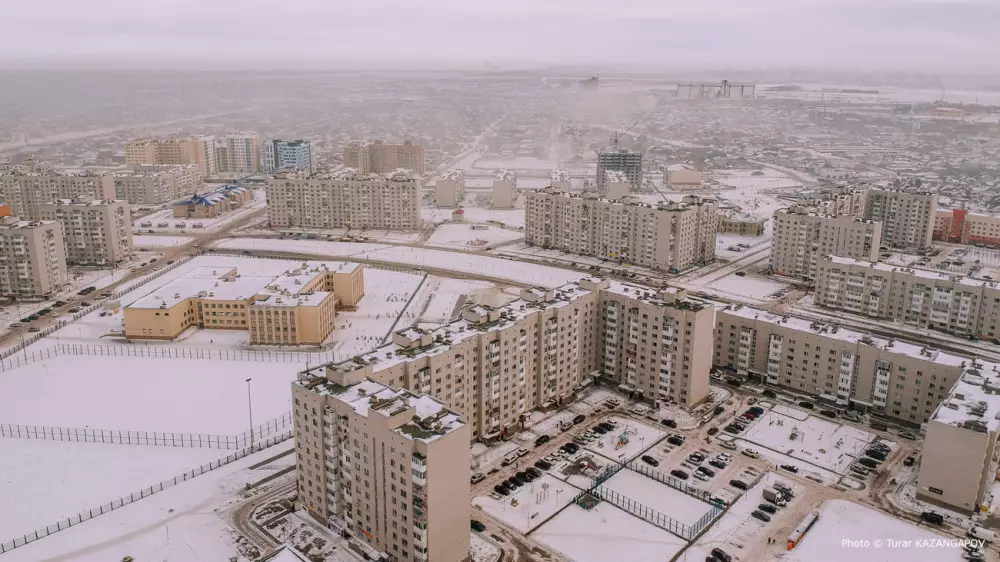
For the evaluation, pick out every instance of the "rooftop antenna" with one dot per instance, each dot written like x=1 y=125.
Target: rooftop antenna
x=617 y=136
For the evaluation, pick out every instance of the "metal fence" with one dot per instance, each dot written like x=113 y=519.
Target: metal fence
x=118 y=503
x=163 y=439
x=645 y=512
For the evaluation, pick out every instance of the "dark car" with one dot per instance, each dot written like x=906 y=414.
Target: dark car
x=877 y=455
x=790 y=468
x=85 y=303
x=570 y=448
x=909 y=461
x=907 y=435
x=828 y=413
x=598 y=429
x=678 y=473
x=60 y=303
x=768 y=508
x=757 y=411
x=542 y=440
x=757 y=514
x=512 y=484
x=717 y=464
x=502 y=490
x=739 y=484
x=579 y=419
x=769 y=393
x=868 y=462
x=607 y=426
x=650 y=460
x=675 y=440
x=732 y=429
x=721 y=555
x=741 y=273
x=713 y=430
x=534 y=471
x=807 y=405
x=932 y=517
x=477 y=526
x=706 y=471
x=544 y=465
x=718 y=410
x=33 y=329
x=518 y=480
x=669 y=423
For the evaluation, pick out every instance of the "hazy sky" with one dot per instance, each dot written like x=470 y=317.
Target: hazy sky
x=925 y=35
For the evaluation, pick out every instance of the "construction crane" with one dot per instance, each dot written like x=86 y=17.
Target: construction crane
x=616 y=136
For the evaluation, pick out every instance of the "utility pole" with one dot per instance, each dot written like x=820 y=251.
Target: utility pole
x=250 y=411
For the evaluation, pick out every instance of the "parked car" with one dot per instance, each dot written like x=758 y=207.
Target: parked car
x=543 y=464
x=932 y=517
x=769 y=393
x=807 y=405
x=757 y=411
x=579 y=419
x=868 y=462
x=875 y=454
x=522 y=451
x=518 y=480
x=757 y=514
x=477 y=477
x=599 y=429
x=751 y=453
x=678 y=473
x=701 y=476
x=907 y=435
x=669 y=423
x=696 y=458
x=706 y=471
x=768 y=508
x=718 y=410
x=650 y=460
x=60 y=303
x=675 y=440
x=533 y=471
x=477 y=526
x=828 y=413
x=16 y=325
x=502 y=489
x=721 y=555
x=741 y=273
x=790 y=468
x=728 y=445
x=739 y=484
x=34 y=329
x=909 y=461
x=732 y=429
x=713 y=430
x=607 y=426
x=542 y=439
x=717 y=464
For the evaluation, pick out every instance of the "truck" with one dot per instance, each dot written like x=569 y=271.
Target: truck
x=772 y=495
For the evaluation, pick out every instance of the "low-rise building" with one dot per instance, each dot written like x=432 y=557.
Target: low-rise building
x=505 y=194
x=741 y=223
x=211 y=205
x=802 y=237
x=295 y=308
x=450 y=189
x=96 y=232
x=25 y=191
x=617 y=184
x=157 y=184
x=682 y=176
x=32 y=258
x=960 y=226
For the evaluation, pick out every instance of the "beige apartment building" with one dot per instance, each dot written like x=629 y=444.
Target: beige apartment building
x=26 y=191
x=836 y=200
x=962 y=227
x=157 y=184
x=617 y=184
x=895 y=378
x=380 y=158
x=197 y=151
x=344 y=198
x=907 y=217
x=669 y=236
x=505 y=194
x=238 y=153
x=802 y=237
x=958 y=305
x=96 y=232
x=387 y=466
x=958 y=462
x=295 y=308
x=32 y=258
x=450 y=189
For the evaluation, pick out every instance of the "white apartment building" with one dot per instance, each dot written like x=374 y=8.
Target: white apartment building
x=96 y=232
x=157 y=184
x=803 y=237
x=962 y=306
x=389 y=467
x=450 y=189
x=505 y=194
x=669 y=236
x=344 y=198
x=32 y=258
x=197 y=151
x=238 y=153
x=25 y=191
x=907 y=217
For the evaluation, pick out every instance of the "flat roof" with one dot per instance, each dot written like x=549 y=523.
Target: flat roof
x=974 y=401
x=922 y=273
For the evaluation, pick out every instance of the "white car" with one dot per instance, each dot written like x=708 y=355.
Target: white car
x=521 y=452
x=724 y=457
x=751 y=453
x=700 y=475
x=727 y=445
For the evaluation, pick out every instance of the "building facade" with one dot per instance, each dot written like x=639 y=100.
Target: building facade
x=626 y=161
x=681 y=176
x=907 y=217
x=505 y=194
x=157 y=184
x=32 y=258
x=26 y=191
x=669 y=236
x=388 y=467
x=894 y=378
x=344 y=199
x=378 y=157
x=277 y=154
x=96 y=232
x=803 y=237
x=450 y=189
x=238 y=153
x=617 y=185
x=960 y=226
x=742 y=224
x=210 y=205
x=196 y=151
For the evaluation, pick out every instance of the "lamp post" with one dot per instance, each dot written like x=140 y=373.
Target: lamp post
x=250 y=412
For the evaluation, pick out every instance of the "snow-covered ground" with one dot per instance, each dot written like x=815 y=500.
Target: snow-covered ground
x=143 y=394
x=525 y=508
x=752 y=286
x=45 y=481
x=627 y=440
x=483 y=550
x=841 y=522
x=607 y=533
x=484 y=458
x=736 y=528
x=668 y=501
x=516 y=163
x=763 y=178
x=509 y=217
x=445 y=294
x=463 y=236
x=386 y=294
x=159 y=241
x=818 y=441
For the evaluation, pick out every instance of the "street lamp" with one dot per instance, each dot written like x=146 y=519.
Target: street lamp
x=250 y=411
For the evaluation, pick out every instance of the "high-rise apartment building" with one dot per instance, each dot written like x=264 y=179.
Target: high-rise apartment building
x=669 y=236
x=505 y=194
x=267 y=162
x=962 y=306
x=280 y=154
x=387 y=466
x=238 y=153
x=197 y=151
x=96 y=232
x=836 y=200
x=157 y=184
x=907 y=216
x=25 y=191
x=344 y=198
x=32 y=258
x=623 y=160
x=895 y=378
x=803 y=237
x=450 y=189
x=380 y=158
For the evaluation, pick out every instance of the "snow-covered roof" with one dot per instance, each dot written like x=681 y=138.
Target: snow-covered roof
x=615 y=176
x=915 y=272
x=974 y=400
x=559 y=175
x=453 y=175
x=506 y=175
x=345 y=173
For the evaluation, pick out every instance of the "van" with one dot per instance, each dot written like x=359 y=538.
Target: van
x=982 y=533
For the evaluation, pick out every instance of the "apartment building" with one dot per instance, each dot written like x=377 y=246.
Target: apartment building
x=802 y=237
x=96 y=232
x=297 y=307
x=32 y=258
x=682 y=176
x=197 y=151
x=505 y=194
x=157 y=184
x=387 y=466
x=617 y=184
x=962 y=306
x=25 y=191
x=238 y=153
x=958 y=461
x=895 y=378
x=836 y=200
x=629 y=162
x=907 y=216
x=344 y=198
x=741 y=224
x=378 y=157
x=277 y=154
x=960 y=226
x=560 y=179
x=450 y=189
x=669 y=236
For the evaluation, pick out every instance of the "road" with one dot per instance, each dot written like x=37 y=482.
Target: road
x=239 y=516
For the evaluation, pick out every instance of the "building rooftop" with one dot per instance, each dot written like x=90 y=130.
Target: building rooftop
x=453 y=175
x=922 y=273
x=506 y=175
x=153 y=170
x=14 y=223
x=974 y=400
x=559 y=175
x=615 y=176
x=689 y=201
x=345 y=173
x=673 y=297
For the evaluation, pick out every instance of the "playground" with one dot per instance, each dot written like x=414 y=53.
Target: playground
x=530 y=505
x=627 y=441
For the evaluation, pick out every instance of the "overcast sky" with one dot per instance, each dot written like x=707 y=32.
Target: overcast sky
x=929 y=35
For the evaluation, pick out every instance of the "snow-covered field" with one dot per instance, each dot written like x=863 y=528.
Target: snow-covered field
x=752 y=286
x=668 y=501
x=386 y=294
x=510 y=217
x=841 y=521
x=44 y=481
x=607 y=533
x=483 y=550
x=159 y=241
x=627 y=440
x=458 y=235
x=821 y=442
x=444 y=295
x=766 y=178
x=525 y=508
x=143 y=394
x=516 y=163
